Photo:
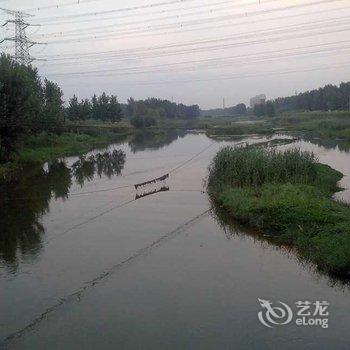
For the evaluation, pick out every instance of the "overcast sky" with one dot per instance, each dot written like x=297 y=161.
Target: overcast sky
x=191 y=51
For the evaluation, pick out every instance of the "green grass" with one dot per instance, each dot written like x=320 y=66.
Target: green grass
x=252 y=166
x=326 y=125
x=333 y=125
x=291 y=201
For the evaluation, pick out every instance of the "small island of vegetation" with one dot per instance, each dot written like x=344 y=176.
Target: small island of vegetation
x=288 y=195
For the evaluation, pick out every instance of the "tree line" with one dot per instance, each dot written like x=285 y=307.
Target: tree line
x=29 y=104
x=103 y=107
x=25 y=102
x=264 y=109
x=330 y=97
x=234 y=111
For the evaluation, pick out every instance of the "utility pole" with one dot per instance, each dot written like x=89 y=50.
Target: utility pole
x=22 y=43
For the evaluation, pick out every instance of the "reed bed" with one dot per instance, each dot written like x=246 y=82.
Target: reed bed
x=251 y=166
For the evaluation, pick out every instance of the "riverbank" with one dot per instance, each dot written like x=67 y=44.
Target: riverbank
x=333 y=125
x=287 y=196
x=325 y=125
x=40 y=148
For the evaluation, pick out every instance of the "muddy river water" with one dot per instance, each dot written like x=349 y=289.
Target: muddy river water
x=83 y=264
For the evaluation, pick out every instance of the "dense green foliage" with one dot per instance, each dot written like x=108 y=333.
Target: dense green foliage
x=264 y=109
x=330 y=97
x=26 y=103
x=235 y=111
x=290 y=200
x=104 y=108
x=155 y=107
x=140 y=122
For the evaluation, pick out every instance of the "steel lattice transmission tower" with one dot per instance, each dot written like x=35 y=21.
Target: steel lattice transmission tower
x=22 y=43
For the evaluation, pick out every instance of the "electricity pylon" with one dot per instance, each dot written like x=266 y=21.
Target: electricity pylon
x=22 y=43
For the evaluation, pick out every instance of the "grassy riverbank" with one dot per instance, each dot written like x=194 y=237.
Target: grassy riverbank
x=288 y=196
x=43 y=147
x=333 y=125
x=325 y=125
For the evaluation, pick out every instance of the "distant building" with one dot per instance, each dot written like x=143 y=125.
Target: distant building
x=256 y=100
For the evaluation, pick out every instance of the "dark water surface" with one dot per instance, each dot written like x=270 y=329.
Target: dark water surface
x=85 y=265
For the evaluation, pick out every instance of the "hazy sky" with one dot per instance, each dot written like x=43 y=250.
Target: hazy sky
x=193 y=51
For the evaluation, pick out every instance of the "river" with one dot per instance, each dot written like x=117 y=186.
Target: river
x=84 y=264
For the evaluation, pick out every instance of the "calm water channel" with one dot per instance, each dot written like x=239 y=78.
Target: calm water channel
x=85 y=265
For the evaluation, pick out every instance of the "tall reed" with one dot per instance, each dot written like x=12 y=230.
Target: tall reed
x=251 y=166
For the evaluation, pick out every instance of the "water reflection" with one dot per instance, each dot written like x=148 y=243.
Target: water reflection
x=340 y=144
x=232 y=228
x=154 y=139
x=23 y=203
x=107 y=163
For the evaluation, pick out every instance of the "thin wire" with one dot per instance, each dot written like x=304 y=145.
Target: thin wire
x=177 y=16
x=133 y=8
x=118 y=187
x=333 y=51
x=105 y=37
x=196 y=29
x=55 y=23
x=72 y=228
x=189 y=160
x=148 y=54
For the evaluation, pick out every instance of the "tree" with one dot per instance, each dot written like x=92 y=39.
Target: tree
x=94 y=107
x=103 y=102
x=21 y=103
x=73 y=108
x=130 y=108
x=84 y=110
x=115 y=112
x=329 y=97
x=141 y=108
x=259 y=109
x=270 y=109
x=149 y=121
x=53 y=110
x=137 y=122
x=240 y=109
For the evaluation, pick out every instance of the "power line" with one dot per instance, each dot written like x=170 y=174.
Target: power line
x=211 y=48
x=278 y=30
x=337 y=51
x=243 y=35
x=212 y=60
x=200 y=21
x=60 y=56
x=55 y=23
x=232 y=77
x=99 y=29
x=124 y=9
